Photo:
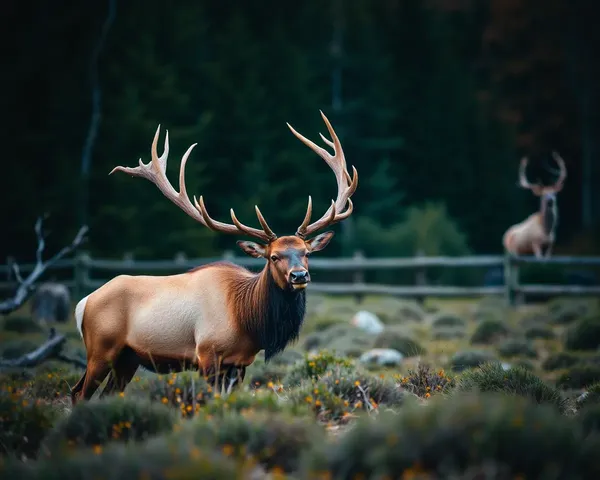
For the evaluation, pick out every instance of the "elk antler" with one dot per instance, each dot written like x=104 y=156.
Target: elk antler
x=537 y=188
x=346 y=185
x=155 y=171
x=523 y=176
x=562 y=174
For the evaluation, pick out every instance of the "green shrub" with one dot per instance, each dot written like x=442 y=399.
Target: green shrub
x=539 y=331
x=313 y=341
x=53 y=385
x=343 y=390
x=355 y=385
x=539 y=320
x=23 y=423
x=311 y=368
x=426 y=381
x=515 y=347
x=352 y=345
x=524 y=363
x=394 y=311
x=15 y=377
x=321 y=323
x=490 y=308
x=263 y=400
x=398 y=340
x=560 y=360
x=584 y=334
x=448 y=333
x=579 y=376
x=260 y=374
x=492 y=377
x=589 y=418
x=100 y=421
x=274 y=440
x=447 y=320
x=185 y=390
x=21 y=324
x=288 y=357
x=172 y=457
x=489 y=331
x=344 y=337
x=468 y=436
x=470 y=359
x=562 y=311
x=590 y=396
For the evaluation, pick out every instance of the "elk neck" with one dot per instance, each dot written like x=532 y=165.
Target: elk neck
x=271 y=316
x=549 y=213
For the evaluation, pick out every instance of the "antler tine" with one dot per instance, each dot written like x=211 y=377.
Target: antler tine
x=155 y=172
x=302 y=228
x=522 y=174
x=346 y=185
x=562 y=171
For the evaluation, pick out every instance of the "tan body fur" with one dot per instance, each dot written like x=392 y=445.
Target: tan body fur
x=188 y=313
x=528 y=237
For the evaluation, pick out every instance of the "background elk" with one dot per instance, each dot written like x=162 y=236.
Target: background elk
x=538 y=230
x=216 y=317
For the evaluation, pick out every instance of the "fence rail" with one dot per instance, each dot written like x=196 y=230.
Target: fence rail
x=81 y=267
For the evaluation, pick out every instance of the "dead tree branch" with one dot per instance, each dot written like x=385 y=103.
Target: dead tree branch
x=27 y=285
x=50 y=348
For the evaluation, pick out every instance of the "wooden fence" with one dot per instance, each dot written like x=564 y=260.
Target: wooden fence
x=77 y=274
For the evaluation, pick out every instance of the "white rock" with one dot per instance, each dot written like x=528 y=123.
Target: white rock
x=368 y=322
x=382 y=356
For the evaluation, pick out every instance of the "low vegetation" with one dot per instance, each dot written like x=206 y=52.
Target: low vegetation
x=502 y=395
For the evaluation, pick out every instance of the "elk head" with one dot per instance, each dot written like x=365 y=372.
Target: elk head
x=286 y=256
x=547 y=193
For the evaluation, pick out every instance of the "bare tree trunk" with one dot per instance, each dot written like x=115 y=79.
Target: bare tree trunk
x=86 y=156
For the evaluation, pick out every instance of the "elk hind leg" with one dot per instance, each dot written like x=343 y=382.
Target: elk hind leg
x=96 y=372
x=76 y=390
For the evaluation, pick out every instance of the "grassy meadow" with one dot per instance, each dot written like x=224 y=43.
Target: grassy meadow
x=482 y=391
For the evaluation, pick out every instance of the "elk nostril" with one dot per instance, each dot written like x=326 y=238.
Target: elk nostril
x=298 y=275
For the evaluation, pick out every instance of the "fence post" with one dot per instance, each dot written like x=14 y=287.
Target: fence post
x=421 y=275
x=511 y=280
x=358 y=278
x=507 y=279
x=82 y=274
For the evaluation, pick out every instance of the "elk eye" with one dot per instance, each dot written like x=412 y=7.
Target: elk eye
x=274 y=258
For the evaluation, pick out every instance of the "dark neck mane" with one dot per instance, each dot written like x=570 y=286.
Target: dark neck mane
x=270 y=315
x=549 y=215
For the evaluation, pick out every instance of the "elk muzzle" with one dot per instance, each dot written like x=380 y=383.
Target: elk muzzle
x=299 y=278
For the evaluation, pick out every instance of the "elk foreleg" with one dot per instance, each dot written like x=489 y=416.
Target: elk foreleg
x=537 y=250
x=549 y=250
x=234 y=377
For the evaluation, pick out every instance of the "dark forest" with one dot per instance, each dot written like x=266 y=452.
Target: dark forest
x=435 y=103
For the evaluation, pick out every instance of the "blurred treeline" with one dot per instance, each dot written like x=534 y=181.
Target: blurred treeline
x=436 y=101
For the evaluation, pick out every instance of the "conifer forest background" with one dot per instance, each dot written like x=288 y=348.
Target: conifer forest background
x=435 y=102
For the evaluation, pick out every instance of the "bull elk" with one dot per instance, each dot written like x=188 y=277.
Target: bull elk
x=538 y=230
x=216 y=317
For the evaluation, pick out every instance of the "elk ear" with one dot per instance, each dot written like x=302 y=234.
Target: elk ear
x=253 y=249
x=320 y=241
